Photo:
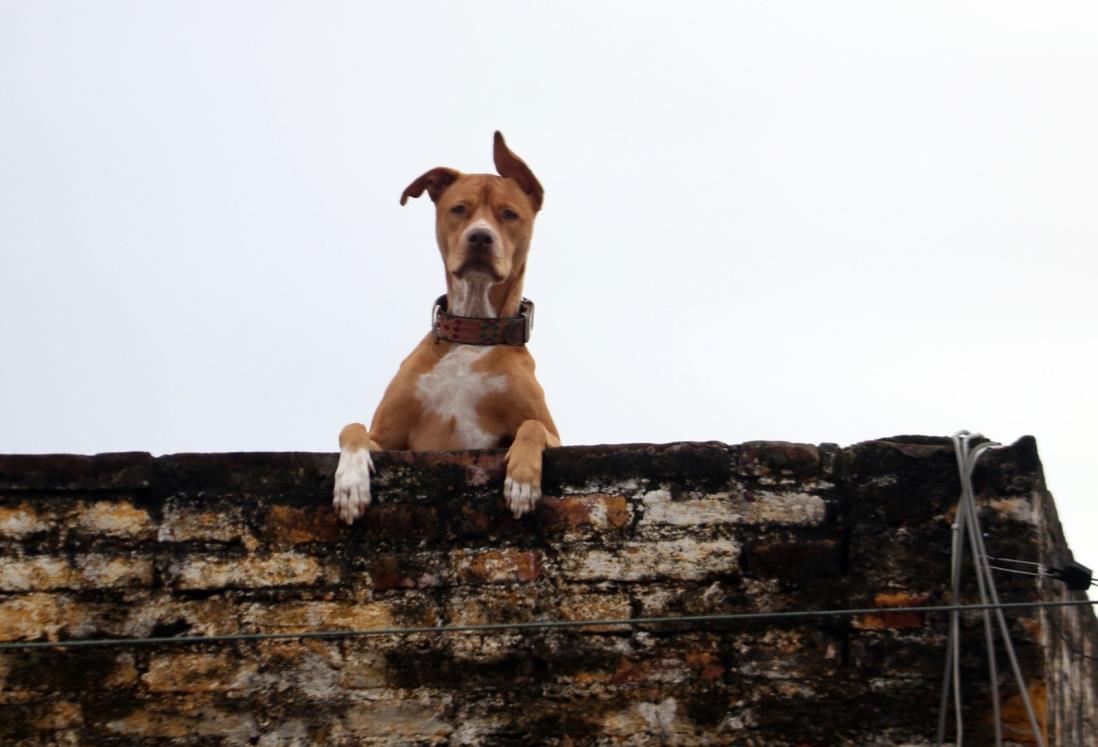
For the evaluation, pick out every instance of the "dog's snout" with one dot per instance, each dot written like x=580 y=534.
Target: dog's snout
x=480 y=239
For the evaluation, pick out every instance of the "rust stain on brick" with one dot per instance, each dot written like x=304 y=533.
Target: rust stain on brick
x=1016 y=721
x=894 y=620
x=570 y=511
x=705 y=664
x=596 y=510
x=292 y=526
x=399 y=571
x=632 y=672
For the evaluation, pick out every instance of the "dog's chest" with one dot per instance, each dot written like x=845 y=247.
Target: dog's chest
x=452 y=389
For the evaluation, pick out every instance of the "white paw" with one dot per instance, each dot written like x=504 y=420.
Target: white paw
x=352 y=484
x=521 y=497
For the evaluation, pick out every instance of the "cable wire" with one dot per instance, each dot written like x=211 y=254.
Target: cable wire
x=1022 y=573
x=730 y=617
x=968 y=521
x=1014 y=560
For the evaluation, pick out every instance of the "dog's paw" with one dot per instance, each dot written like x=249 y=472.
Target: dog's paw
x=352 y=484
x=521 y=497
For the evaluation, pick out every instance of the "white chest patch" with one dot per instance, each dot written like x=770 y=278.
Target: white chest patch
x=452 y=390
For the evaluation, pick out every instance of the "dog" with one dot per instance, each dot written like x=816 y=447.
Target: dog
x=470 y=382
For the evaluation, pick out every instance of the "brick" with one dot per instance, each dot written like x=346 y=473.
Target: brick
x=124 y=470
x=394 y=722
x=661 y=509
x=118 y=519
x=68 y=670
x=502 y=566
x=63 y=715
x=676 y=600
x=398 y=523
x=1020 y=510
x=36 y=721
x=184 y=522
x=162 y=615
x=663 y=721
x=39 y=572
x=595 y=607
x=779 y=458
x=706 y=665
x=794 y=557
x=45 y=572
x=598 y=511
x=152 y=721
x=17 y=522
x=408 y=571
x=364 y=670
x=101 y=571
x=681 y=559
x=309 y=669
x=801 y=654
x=33 y=616
x=785 y=508
x=288 y=525
x=1015 y=718
x=249 y=572
x=187 y=718
x=894 y=620
x=650 y=670
x=297 y=617
x=197 y=673
x=124 y=672
x=500 y=606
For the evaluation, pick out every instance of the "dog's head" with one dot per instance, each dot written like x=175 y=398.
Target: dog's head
x=483 y=221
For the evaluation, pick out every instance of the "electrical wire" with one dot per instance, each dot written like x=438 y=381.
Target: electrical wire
x=731 y=617
x=1014 y=560
x=967 y=522
x=1022 y=573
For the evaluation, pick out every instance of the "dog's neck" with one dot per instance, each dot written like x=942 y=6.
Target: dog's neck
x=475 y=295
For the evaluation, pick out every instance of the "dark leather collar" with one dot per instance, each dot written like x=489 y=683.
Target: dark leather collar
x=470 y=330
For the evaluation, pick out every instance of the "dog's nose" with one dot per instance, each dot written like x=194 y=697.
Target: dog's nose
x=479 y=239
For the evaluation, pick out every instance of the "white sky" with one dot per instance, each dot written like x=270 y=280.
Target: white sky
x=798 y=221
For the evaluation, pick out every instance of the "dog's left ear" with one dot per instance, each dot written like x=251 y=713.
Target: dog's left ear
x=434 y=181
x=512 y=167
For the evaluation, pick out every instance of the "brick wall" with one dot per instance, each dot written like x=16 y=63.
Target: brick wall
x=126 y=545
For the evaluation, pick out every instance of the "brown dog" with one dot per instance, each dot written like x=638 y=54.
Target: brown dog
x=470 y=383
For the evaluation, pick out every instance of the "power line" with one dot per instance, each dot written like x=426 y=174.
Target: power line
x=1021 y=573
x=731 y=617
x=1014 y=560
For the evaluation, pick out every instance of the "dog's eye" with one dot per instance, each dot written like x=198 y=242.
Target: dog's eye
x=458 y=210
x=509 y=214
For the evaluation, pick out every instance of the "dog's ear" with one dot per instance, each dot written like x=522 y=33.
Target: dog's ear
x=434 y=181
x=511 y=166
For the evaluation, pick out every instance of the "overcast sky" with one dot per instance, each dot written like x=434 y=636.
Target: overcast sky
x=797 y=221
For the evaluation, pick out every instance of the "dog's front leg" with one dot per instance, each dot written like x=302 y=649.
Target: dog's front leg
x=352 y=478
x=522 y=486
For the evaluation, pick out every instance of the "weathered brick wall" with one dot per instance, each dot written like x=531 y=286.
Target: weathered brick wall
x=127 y=545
